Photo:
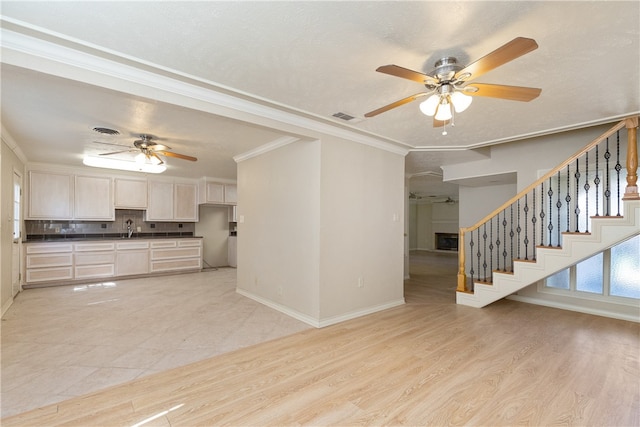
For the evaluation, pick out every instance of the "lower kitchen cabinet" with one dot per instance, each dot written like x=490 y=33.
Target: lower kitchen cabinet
x=132 y=258
x=54 y=262
x=170 y=255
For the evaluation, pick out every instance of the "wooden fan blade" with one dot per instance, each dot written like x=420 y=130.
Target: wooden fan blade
x=508 y=52
x=513 y=93
x=405 y=73
x=396 y=104
x=177 y=155
x=116 y=152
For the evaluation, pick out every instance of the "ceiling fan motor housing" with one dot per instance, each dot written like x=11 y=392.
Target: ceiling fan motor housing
x=445 y=69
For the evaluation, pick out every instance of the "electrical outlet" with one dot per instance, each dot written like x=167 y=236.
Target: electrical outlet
x=138 y=229
x=360 y=282
x=57 y=229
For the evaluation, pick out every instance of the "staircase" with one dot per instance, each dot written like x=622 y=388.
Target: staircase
x=546 y=227
x=606 y=232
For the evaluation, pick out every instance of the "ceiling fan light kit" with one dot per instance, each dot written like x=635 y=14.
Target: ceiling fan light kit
x=446 y=83
x=119 y=164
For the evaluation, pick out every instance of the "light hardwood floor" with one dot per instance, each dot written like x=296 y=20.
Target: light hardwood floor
x=429 y=362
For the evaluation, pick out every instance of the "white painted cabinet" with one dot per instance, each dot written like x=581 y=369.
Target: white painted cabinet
x=94 y=260
x=172 y=202
x=65 y=196
x=93 y=198
x=130 y=193
x=47 y=262
x=50 y=195
x=215 y=193
x=132 y=258
x=180 y=254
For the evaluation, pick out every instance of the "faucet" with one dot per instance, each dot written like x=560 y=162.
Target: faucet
x=129 y=229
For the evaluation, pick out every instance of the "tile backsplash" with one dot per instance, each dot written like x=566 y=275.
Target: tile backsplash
x=70 y=228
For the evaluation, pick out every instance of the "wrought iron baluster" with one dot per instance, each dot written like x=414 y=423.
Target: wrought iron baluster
x=607 y=191
x=586 y=191
x=511 y=234
x=568 y=200
x=491 y=249
x=618 y=168
x=576 y=204
x=479 y=254
x=504 y=235
x=533 y=225
x=596 y=181
x=559 y=206
x=484 y=258
x=542 y=214
x=518 y=230
x=526 y=227
x=550 y=226
x=498 y=242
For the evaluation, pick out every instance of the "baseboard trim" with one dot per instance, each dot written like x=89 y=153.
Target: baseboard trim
x=319 y=323
x=6 y=305
x=577 y=308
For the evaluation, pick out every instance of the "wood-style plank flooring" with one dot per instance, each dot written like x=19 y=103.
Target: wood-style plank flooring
x=429 y=362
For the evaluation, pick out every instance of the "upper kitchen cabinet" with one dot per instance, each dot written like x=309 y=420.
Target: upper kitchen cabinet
x=172 y=202
x=130 y=193
x=50 y=195
x=215 y=193
x=65 y=196
x=93 y=198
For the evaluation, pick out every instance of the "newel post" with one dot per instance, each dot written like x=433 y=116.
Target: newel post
x=462 y=278
x=631 y=192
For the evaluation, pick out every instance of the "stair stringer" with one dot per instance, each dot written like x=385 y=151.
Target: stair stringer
x=606 y=232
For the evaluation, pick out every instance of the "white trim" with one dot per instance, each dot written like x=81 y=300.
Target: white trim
x=316 y=323
x=577 y=308
x=273 y=145
x=6 y=306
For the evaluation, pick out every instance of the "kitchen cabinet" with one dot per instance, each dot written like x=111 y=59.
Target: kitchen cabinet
x=172 y=202
x=65 y=262
x=216 y=193
x=179 y=254
x=94 y=260
x=130 y=193
x=45 y=262
x=50 y=195
x=132 y=258
x=93 y=196
x=65 y=196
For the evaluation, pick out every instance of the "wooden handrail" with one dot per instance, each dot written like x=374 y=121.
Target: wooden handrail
x=631 y=124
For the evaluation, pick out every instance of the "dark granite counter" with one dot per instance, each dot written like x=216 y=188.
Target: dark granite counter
x=106 y=236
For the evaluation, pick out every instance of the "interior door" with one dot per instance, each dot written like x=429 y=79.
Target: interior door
x=17 y=233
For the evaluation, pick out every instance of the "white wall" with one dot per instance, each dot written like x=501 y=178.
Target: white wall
x=362 y=235
x=320 y=219
x=477 y=202
x=278 y=228
x=213 y=226
x=429 y=219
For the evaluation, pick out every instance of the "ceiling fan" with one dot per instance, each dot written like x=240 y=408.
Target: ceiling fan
x=150 y=150
x=447 y=83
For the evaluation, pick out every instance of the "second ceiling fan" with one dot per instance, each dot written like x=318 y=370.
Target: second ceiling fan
x=447 y=83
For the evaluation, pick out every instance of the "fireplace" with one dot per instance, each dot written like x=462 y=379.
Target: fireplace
x=447 y=241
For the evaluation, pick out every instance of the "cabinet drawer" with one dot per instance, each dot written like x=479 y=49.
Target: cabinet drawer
x=87 y=247
x=91 y=258
x=175 y=253
x=90 y=271
x=164 y=244
x=125 y=246
x=189 y=243
x=49 y=260
x=49 y=274
x=176 y=264
x=47 y=248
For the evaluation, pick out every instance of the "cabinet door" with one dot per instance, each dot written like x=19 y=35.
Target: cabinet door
x=160 y=201
x=94 y=198
x=186 y=202
x=132 y=262
x=50 y=195
x=231 y=194
x=130 y=193
x=214 y=193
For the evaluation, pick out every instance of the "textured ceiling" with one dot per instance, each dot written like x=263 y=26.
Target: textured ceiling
x=319 y=58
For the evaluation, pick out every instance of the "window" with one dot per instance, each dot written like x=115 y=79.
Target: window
x=613 y=272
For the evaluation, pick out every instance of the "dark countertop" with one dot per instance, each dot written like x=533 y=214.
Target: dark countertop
x=31 y=238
